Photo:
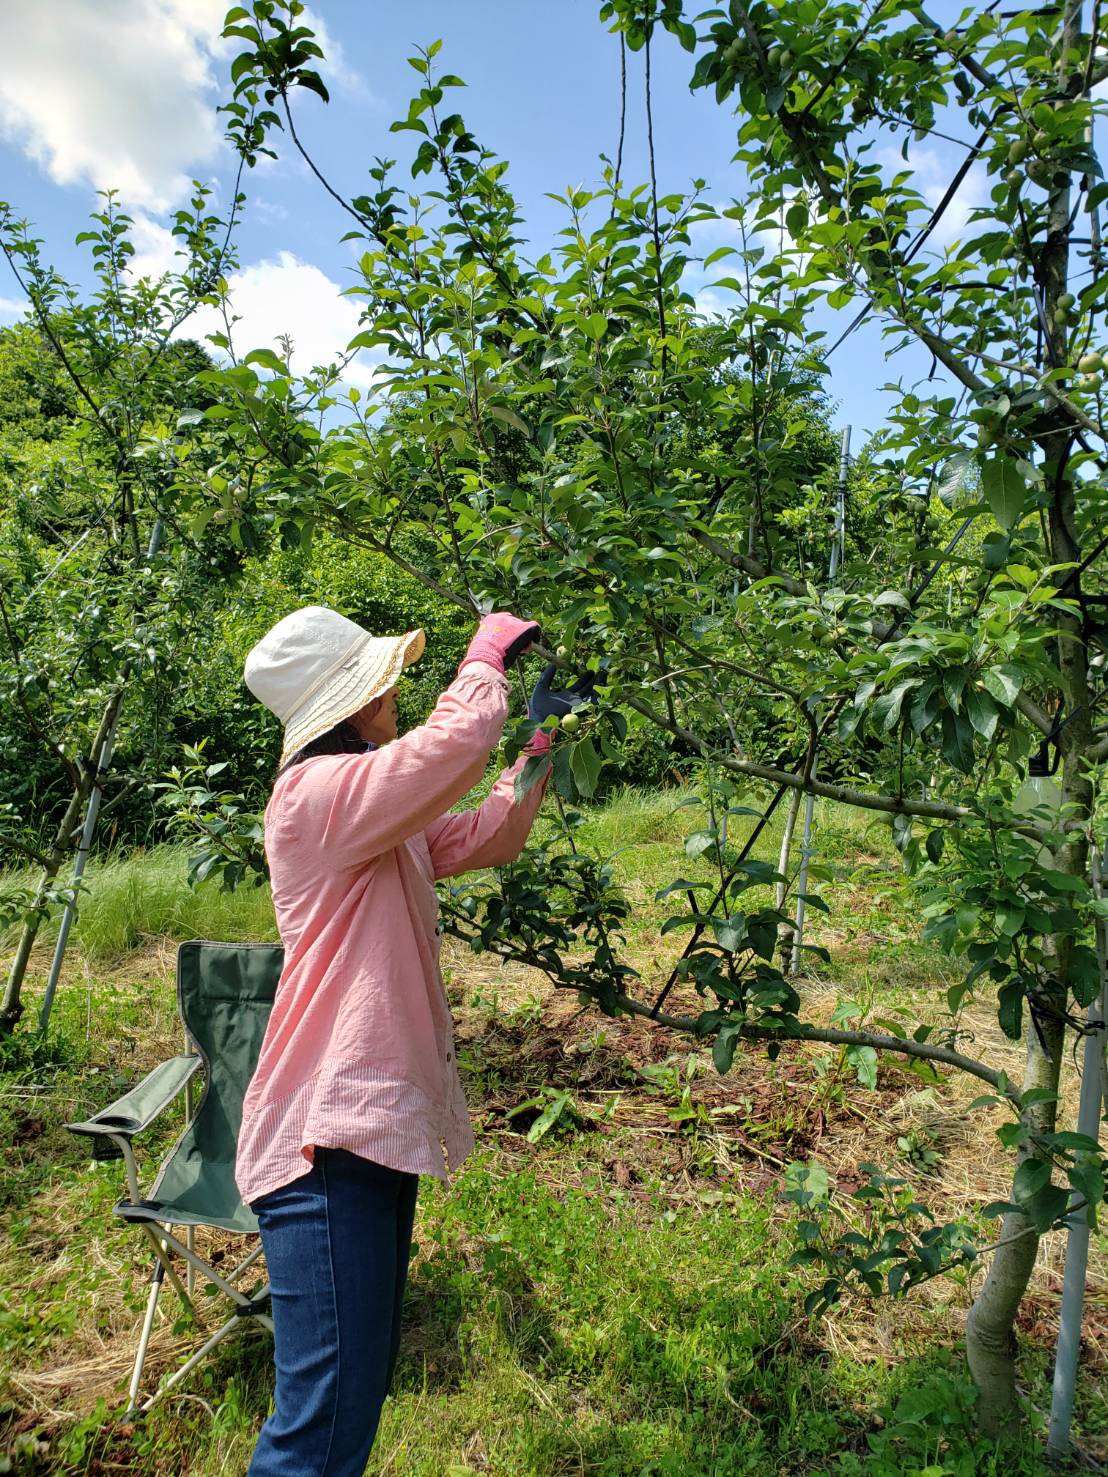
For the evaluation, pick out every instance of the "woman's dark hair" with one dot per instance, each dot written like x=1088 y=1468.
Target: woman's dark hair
x=344 y=738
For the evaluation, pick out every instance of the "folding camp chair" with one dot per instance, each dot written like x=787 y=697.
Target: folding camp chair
x=224 y=994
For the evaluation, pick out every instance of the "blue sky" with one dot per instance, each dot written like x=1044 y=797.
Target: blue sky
x=123 y=92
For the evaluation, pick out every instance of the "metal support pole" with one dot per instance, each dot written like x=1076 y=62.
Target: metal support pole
x=87 y=830
x=1077 y=1244
x=838 y=558
x=838 y=543
x=144 y=1337
x=802 y=881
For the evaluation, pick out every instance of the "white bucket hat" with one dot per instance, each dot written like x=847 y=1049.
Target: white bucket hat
x=314 y=668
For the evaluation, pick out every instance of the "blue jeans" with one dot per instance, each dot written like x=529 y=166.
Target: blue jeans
x=337 y=1242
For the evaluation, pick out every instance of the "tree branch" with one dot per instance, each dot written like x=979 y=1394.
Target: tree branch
x=749 y=565
x=864 y=800
x=28 y=851
x=923 y=1050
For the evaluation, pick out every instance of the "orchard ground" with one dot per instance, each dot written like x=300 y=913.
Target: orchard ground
x=612 y=1299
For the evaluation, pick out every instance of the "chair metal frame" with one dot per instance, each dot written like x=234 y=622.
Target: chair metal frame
x=112 y=1131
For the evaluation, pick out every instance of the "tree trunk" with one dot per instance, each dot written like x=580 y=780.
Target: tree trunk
x=12 y=1007
x=990 y=1328
x=64 y=839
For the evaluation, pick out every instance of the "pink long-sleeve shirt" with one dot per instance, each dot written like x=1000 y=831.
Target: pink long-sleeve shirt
x=359 y=1050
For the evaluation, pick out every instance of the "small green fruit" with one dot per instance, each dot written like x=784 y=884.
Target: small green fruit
x=562 y=653
x=1066 y=301
x=774 y=55
x=1088 y=382
x=571 y=723
x=950 y=39
x=1017 y=153
x=1014 y=178
x=1039 y=171
x=1041 y=141
x=786 y=59
x=1090 y=363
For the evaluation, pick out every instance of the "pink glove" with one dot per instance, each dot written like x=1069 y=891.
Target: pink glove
x=539 y=742
x=499 y=640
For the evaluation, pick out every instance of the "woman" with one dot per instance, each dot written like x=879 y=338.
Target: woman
x=356 y=1091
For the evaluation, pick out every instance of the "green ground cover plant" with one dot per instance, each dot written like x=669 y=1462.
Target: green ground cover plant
x=614 y=1297
x=566 y=433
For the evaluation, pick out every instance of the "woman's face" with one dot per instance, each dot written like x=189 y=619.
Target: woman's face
x=376 y=722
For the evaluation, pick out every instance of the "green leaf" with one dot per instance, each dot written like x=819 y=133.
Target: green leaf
x=267 y=359
x=1087 y=1179
x=1004 y=488
x=585 y=765
x=723 y=1049
x=957 y=742
x=699 y=842
x=807 y=1184
x=679 y=884
x=1037 y=1095
x=1004 y=682
x=954 y=681
x=934 y=844
x=1078 y=1142
x=547 y=1118
x=714 y=256
x=864 y=1061
x=1083 y=974
x=1010 y=1012
x=730 y=932
x=982 y=712
x=1011 y=1134
x=1048 y=1205
x=1010 y=917
x=1030 y=1178
x=886 y=708
x=563 y=777
x=953 y=480
x=509 y=418
x=537 y=767
x=594 y=325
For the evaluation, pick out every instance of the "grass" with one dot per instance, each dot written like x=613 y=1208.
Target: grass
x=615 y=1299
x=133 y=900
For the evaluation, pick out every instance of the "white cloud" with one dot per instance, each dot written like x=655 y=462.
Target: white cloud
x=118 y=94
x=285 y=296
x=932 y=173
x=11 y=307
x=155 y=249
x=122 y=94
x=269 y=210
x=712 y=305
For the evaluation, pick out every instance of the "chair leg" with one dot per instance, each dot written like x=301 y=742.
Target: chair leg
x=144 y=1338
x=161 y=1251
x=190 y=1364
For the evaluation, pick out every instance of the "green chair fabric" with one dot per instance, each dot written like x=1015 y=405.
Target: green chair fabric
x=138 y=1108
x=225 y=994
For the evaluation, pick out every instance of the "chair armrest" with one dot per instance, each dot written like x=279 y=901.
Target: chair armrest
x=132 y=1113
